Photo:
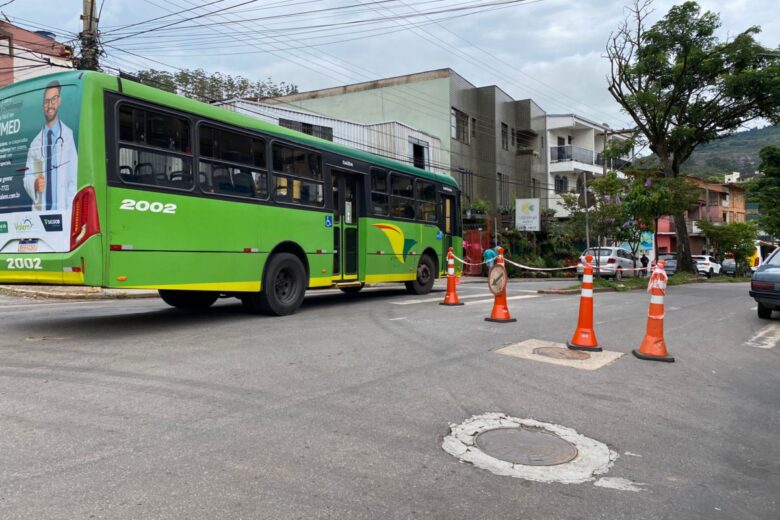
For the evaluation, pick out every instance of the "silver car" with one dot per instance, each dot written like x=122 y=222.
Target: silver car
x=610 y=262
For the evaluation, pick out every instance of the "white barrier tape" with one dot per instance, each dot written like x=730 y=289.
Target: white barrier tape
x=469 y=263
x=657 y=300
x=587 y=293
x=521 y=266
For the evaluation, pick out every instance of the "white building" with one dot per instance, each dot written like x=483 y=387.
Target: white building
x=575 y=156
x=390 y=139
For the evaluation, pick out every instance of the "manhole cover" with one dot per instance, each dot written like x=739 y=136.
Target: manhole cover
x=526 y=446
x=561 y=353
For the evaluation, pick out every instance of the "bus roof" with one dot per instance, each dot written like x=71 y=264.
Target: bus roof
x=135 y=89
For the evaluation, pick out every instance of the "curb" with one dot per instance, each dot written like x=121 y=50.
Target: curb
x=99 y=294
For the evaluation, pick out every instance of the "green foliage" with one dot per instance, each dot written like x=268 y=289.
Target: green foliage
x=766 y=191
x=204 y=86
x=731 y=153
x=737 y=238
x=683 y=87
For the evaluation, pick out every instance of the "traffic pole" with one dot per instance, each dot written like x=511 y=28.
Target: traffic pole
x=497 y=281
x=451 y=298
x=584 y=337
x=653 y=347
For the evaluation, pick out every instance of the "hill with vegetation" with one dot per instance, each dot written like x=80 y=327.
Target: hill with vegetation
x=734 y=153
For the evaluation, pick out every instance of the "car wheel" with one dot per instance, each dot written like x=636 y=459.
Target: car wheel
x=764 y=312
x=284 y=286
x=190 y=300
x=423 y=284
x=710 y=273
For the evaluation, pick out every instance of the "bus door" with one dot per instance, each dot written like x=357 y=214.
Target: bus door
x=346 y=189
x=449 y=216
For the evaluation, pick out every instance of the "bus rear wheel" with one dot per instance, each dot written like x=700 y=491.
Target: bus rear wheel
x=284 y=286
x=190 y=300
x=426 y=273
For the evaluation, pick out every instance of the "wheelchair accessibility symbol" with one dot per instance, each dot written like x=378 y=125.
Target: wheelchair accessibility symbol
x=328 y=221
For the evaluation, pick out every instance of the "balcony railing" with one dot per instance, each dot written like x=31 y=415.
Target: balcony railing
x=571 y=153
x=612 y=163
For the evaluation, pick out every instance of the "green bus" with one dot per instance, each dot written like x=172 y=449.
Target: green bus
x=106 y=182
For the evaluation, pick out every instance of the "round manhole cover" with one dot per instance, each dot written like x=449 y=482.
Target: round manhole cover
x=561 y=353
x=526 y=446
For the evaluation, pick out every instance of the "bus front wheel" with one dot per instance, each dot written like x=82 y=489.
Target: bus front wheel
x=284 y=286
x=426 y=272
x=190 y=300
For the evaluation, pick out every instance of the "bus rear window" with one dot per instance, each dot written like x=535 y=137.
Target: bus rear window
x=153 y=128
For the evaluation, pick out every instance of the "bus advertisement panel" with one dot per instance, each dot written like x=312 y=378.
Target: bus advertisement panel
x=38 y=166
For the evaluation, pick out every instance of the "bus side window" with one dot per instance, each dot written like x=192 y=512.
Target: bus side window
x=380 y=204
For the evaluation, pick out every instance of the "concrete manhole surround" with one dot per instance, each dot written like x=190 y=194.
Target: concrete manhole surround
x=592 y=457
x=561 y=353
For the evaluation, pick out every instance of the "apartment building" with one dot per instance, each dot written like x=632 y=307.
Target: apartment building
x=26 y=54
x=718 y=203
x=491 y=143
x=575 y=155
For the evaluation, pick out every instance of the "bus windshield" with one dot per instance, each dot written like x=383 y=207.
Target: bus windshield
x=38 y=165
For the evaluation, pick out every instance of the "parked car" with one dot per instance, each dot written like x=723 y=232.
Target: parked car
x=765 y=286
x=729 y=266
x=706 y=265
x=670 y=262
x=610 y=262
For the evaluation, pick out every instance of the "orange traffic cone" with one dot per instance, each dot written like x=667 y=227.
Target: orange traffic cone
x=584 y=337
x=497 y=280
x=451 y=298
x=653 y=346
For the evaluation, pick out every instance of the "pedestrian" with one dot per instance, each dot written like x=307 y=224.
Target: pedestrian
x=644 y=260
x=490 y=257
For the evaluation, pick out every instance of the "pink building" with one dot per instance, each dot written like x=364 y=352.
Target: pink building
x=25 y=54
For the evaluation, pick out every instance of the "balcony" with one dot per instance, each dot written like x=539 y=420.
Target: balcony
x=617 y=165
x=571 y=153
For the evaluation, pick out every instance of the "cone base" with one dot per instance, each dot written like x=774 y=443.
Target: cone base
x=495 y=320
x=572 y=346
x=667 y=358
x=450 y=304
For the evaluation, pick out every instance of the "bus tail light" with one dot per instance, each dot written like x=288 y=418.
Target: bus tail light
x=84 y=218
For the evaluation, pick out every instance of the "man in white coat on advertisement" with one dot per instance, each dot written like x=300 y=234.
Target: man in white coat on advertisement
x=51 y=175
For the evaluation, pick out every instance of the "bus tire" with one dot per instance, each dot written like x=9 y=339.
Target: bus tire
x=426 y=274
x=284 y=286
x=190 y=300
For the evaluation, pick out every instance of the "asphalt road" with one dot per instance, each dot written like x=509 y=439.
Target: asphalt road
x=130 y=409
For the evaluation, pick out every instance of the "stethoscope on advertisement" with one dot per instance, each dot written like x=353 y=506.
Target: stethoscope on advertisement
x=57 y=142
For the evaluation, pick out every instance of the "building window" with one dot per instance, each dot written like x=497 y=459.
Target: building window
x=418 y=152
x=459 y=126
x=504 y=192
x=513 y=137
x=473 y=127
x=323 y=132
x=504 y=136
x=561 y=184
x=466 y=182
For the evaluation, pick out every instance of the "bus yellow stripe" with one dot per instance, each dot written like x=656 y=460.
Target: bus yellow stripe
x=378 y=278
x=50 y=277
x=216 y=286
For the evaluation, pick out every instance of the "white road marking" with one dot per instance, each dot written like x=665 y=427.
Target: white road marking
x=439 y=299
x=491 y=300
x=622 y=484
x=397 y=319
x=768 y=337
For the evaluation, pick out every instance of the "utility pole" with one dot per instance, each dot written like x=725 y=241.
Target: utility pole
x=89 y=38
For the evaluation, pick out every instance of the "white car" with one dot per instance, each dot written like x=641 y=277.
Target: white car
x=610 y=262
x=706 y=265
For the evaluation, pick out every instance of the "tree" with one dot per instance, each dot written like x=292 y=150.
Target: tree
x=766 y=191
x=737 y=238
x=201 y=85
x=683 y=87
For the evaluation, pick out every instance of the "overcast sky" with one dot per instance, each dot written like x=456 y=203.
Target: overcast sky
x=548 y=50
